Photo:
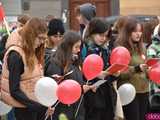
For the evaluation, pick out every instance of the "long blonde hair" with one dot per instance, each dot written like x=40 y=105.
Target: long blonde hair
x=29 y=33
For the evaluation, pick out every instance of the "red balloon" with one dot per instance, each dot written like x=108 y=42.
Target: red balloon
x=69 y=91
x=92 y=66
x=120 y=55
x=1 y=12
x=154 y=73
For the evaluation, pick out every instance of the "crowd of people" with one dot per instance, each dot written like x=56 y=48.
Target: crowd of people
x=38 y=48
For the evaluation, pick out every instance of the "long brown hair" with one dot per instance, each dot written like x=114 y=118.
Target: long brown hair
x=124 y=38
x=119 y=24
x=63 y=55
x=148 y=28
x=29 y=33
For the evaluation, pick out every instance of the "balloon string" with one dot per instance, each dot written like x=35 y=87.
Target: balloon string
x=54 y=106
x=79 y=106
x=87 y=82
x=46 y=117
x=51 y=117
x=80 y=102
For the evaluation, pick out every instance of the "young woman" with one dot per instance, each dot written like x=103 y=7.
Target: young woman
x=22 y=68
x=131 y=38
x=21 y=20
x=55 y=34
x=100 y=104
x=66 y=59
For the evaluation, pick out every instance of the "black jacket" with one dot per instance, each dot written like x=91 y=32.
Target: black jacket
x=104 y=100
x=70 y=111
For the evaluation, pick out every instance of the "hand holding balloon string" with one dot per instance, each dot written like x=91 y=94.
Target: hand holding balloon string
x=45 y=92
x=50 y=111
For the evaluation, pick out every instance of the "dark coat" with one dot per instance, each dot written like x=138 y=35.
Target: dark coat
x=101 y=105
x=70 y=110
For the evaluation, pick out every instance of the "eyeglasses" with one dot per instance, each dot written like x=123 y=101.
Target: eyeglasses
x=42 y=37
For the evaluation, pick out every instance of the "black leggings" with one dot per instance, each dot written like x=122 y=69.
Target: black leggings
x=27 y=114
x=138 y=108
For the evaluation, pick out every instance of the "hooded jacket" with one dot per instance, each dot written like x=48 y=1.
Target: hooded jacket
x=154 y=49
x=88 y=11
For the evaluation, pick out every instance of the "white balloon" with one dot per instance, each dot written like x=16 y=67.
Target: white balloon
x=127 y=93
x=4 y=108
x=45 y=91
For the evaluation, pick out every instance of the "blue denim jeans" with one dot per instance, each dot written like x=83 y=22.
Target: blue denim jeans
x=10 y=115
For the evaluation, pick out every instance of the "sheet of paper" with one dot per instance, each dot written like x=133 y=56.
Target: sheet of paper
x=99 y=82
x=116 y=67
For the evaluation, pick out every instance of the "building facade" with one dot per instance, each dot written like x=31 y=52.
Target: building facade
x=145 y=7
x=58 y=8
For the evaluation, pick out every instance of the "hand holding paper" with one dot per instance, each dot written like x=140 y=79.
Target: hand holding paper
x=59 y=78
